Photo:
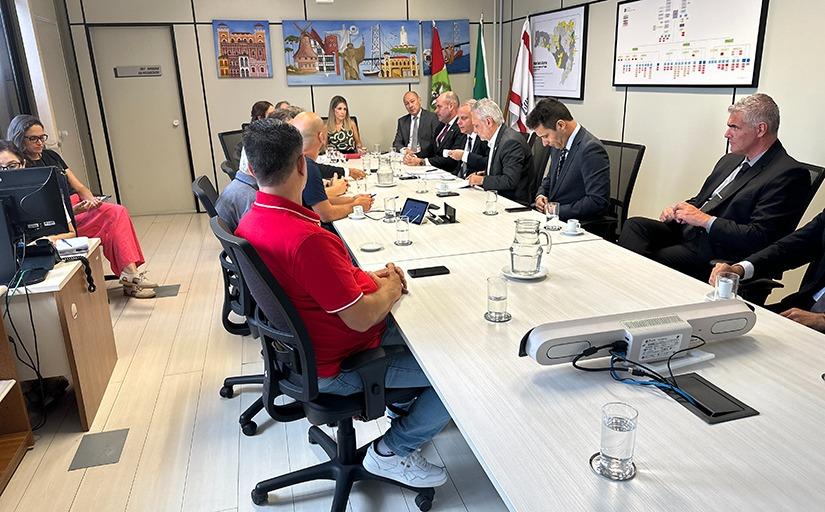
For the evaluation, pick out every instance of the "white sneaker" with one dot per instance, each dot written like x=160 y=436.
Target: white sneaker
x=413 y=470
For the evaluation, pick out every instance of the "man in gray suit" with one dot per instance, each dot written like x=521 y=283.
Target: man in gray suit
x=577 y=166
x=418 y=128
x=510 y=161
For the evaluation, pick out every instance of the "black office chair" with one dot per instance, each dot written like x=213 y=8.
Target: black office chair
x=289 y=361
x=758 y=290
x=231 y=144
x=227 y=169
x=536 y=173
x=625 y=160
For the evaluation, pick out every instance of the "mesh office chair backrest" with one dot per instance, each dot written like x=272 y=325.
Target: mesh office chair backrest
x=537 y=172
x=206 y=194
x=817 y=175
x=288 y=353
x=231 y=145
x=625 y=160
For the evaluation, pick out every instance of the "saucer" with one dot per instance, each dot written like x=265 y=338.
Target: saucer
x=578 y=232
x=371 y=247
x=386 y=185
x=542 y=273
x=356 y=217
x=709 y=297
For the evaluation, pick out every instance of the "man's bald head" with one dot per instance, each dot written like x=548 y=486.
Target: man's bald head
x=313 y=131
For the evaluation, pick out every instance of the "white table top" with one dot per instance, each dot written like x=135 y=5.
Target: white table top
x=57 y=278
x=5 y=387
x=474 y=232
x=533 y=428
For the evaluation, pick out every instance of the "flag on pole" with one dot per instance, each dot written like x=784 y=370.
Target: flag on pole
x=521 y=91
x=439 y=80
x=481 y=84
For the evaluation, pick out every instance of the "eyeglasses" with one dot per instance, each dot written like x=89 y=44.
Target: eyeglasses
x=35 y=138
x=11 y=166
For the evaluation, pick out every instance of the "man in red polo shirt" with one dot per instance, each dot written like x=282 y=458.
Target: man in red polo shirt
x=345 y=310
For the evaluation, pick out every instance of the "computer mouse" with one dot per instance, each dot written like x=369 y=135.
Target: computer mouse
x=433 y=207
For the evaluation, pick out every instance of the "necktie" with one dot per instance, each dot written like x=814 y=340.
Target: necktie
x=720 y=192
x=441 y=135
x=468 y=147
x=562 y=158
x=414 y=133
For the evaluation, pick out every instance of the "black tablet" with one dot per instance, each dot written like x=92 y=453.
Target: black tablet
x=415 y=210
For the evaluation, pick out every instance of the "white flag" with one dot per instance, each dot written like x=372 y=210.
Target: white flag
x=521 y=100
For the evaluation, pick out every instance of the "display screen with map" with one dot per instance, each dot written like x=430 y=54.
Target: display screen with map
x=559 y=39
x=703 y=43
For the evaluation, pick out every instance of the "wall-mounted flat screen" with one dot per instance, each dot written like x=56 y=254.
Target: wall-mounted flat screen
x=705 y=43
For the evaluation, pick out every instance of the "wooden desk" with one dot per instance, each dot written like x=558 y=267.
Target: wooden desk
x=475 y=232
x=74 y=330
x=15 y=431
x=533 y=428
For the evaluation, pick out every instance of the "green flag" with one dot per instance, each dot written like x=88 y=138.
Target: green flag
x=439 y=81
x=480 y=81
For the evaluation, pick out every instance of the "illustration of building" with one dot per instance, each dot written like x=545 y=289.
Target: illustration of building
x=399 y=66
x=306 y=58
x=242 y=54
x=331 y=53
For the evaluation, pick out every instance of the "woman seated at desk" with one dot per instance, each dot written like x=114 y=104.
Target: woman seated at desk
x=342 y=132
x=94 y=218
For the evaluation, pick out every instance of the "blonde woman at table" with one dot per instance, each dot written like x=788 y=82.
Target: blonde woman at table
x=94 y=218
x=342 y=132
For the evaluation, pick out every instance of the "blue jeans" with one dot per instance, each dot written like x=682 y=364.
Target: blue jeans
x=426 y=415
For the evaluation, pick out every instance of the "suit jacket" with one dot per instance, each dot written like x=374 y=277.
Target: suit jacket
x=428 y=128
x=583 y=187
x=453 y=139
x=805 y=245
x=764 y=204
x=476 y=158
x=510 y=163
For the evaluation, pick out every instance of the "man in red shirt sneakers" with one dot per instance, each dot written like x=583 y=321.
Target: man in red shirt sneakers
x=345 y=309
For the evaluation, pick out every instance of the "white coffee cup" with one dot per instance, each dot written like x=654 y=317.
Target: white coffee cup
x=357 y=211
x=572 y=226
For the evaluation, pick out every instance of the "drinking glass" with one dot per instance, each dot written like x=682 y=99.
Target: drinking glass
x=402 y=231
x=615 y=457
x=389 y=209
x=551 y=213
x=376 y=149
x=727 y=285
x=490 y=205
x=497 y=300
x=421 y=186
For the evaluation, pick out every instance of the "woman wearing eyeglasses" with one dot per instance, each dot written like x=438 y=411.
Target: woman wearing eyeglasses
x=94 y=218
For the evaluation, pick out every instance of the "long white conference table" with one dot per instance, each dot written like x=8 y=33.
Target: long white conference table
x=533 y=428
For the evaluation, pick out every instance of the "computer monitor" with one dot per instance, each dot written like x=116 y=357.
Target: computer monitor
x=31 y=206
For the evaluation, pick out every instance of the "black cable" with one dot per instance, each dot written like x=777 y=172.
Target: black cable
x=592 y=350
x=669 y=370
x=651 y=373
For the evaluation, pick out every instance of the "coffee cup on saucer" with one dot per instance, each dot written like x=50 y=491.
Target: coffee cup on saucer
x=573 y=226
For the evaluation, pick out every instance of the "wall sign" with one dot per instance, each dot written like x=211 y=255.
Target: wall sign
x=138 y=71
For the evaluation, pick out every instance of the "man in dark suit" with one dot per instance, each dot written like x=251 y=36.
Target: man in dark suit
x=472 y=157
x=806 y=245
x=752 y=198
x=450 y=136
x=510 y=159
x=578 y=177
x=418 y=128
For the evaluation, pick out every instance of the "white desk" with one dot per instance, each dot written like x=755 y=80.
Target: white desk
x=74 y=330
x=474 y=232
x=533 y=428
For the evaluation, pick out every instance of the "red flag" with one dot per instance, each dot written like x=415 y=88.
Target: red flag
x=521 y=91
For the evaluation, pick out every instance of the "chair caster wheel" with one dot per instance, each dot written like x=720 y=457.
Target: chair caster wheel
x=250 y=428
x=227 y=392
x=423 y=502
x=258 y=498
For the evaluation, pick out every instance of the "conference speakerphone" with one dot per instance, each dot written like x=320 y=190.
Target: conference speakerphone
x=651 y=335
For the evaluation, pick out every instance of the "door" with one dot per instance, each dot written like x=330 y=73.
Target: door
x=144 y=118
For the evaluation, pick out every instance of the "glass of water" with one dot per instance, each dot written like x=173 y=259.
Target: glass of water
x=402 y=231
x=490 y=205
x=551 y=213
x=389 y=209
x=727 y=285
x=497 y=300
x=615 y=457
x=421 y=186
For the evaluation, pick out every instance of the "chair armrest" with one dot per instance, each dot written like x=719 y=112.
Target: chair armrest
x=371 y=366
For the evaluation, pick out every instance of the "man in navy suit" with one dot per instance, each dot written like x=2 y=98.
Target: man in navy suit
x=805 y=246
x=450 y=136
x=578 y=169
x=752 y=198
x=510 y=162
x=472 y=157
x=418 y=128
